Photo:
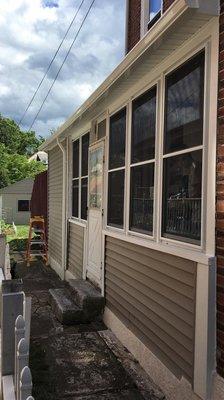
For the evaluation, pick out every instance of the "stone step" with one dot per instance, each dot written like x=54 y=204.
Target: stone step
x=87 y=297
x=65 y=309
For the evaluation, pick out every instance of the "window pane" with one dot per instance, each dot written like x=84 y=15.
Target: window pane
x=84 y=193
x=117 y=140
x=154 y=7
x=143 y=127
x=101 y=129
x=76 y=159
x=184 y=106
x=85 y=152
x=23 y=205
x=182 y=196
x=116 y=198
x=75 y=198
x=141 y=198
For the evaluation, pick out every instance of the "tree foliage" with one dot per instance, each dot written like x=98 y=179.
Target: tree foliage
x=17 y=141
x=16 y=147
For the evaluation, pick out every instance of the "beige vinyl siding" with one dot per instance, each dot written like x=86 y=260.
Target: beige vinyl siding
x=55 y=177
x=75 y=249
x=153 y=294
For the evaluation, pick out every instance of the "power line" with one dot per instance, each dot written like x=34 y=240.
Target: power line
x=51 y=62
x=49 y=90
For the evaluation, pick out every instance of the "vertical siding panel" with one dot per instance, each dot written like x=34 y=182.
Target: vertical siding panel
x=75 y=249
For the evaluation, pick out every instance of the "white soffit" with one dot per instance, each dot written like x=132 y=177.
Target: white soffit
x=182 y=20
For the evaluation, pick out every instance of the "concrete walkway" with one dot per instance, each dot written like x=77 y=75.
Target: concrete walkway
x=82 y=362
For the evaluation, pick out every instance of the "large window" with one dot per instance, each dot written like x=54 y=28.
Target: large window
x=80 y=177
x=183 y=152
x=116 y=173
x=142 y=162
x=160 y=165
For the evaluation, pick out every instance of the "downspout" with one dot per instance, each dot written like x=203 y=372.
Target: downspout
x=64 y=208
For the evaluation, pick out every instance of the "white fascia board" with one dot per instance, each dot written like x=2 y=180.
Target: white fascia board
x=178 y=8
x=211 y=7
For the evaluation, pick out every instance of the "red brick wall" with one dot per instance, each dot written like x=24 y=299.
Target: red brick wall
x=134 y=20
x=167 y=4
x=220 y=204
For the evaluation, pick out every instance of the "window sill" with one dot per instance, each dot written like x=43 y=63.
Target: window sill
x=183 y=250
x=77 y=222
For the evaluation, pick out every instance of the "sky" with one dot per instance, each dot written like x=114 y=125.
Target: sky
x=30 y=32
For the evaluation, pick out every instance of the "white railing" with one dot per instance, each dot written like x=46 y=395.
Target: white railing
x=16 y=375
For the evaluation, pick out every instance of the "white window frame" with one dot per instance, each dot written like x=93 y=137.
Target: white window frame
x=145 y=19
x=79 y=178
x=151 y=161
x=157 y=242
x=201 y=147
x=107 y=170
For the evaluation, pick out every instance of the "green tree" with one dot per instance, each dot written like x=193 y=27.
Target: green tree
x=18 y=168
x=16 y=147
x=17 y=141
x=4 y=178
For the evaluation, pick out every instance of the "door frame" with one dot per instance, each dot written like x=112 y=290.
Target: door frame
x=96 y=144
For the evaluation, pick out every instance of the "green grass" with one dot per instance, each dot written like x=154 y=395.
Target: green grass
x=22 y=233
x=18 y=242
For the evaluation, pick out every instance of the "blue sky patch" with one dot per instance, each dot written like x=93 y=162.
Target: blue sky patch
x=50 y=3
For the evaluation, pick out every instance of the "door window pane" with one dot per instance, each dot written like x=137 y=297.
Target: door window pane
x=75 y=198
x=117 y=140
x=154 y=8
x=101 y=132
x=85 y=152
x=96 y=178
x=84 y=193
x=116 y=198
x=143 y=127
x=141 y=199
x=184 y=106
x=182 y=196
x=76 y=159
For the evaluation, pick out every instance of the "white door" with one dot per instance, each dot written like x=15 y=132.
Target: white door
x=94 y=249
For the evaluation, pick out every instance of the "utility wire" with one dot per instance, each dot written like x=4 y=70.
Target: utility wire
x=67 y=54
x=50 y=64
x=49 y=90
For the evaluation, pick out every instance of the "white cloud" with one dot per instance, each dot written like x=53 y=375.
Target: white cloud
x=30 y=33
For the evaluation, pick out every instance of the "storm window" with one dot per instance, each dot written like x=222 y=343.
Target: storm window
x=116 y=172
x=183 y=152
x=80 y=177
x=143 y=162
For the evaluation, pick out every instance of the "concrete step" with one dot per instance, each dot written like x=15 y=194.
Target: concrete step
x=87 y=298
x=65 y=309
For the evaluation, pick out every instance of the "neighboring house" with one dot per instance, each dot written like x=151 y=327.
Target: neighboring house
x=15 y=202
x=139 y=219
x=40 y=156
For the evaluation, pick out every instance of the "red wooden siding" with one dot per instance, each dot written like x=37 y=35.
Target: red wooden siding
x=38 y=204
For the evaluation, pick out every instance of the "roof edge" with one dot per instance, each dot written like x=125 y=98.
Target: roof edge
x=166 y=20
